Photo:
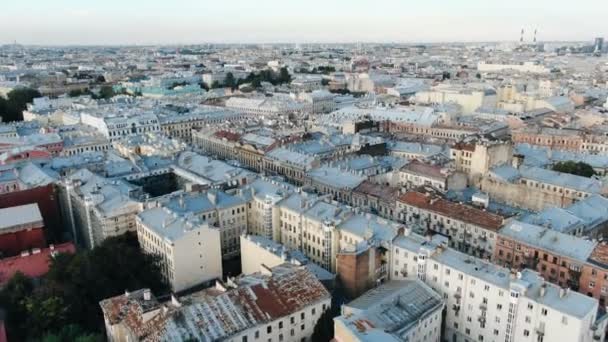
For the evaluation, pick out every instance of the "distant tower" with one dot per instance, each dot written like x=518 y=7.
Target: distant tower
x=521 y=38
x=535 y=36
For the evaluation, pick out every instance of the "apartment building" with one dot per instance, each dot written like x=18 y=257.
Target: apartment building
x=218 y=209
x=419 y=173
x=263 y=214
x=291 y=164
x=486 y=302
x=558 y=257
x=188 y=248
x=476 y=158
x=471 y=230
x=96 y=208
x=282 y=303
x=536 y=188
x=405 y=310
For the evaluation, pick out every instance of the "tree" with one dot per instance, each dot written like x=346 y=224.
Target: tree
x=575 y=168
x=72 y=332
x=106 y=92
x=324 y=328
x=284 y=76
x=12 y=299
x=215 y=84
x=75 y=284
x=230 y=81
x=11 y=108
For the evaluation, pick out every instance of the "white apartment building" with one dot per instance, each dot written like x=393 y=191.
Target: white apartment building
x=402 y=310
x=476 y=158
x=526 y=67
x=275 y=105
x=469 y=99
x=486 y=302
x=117 y=126
x=282 y=303
x=97 y=208
x=263 y=214
x=220 y=210
x=189 y=249
x=319 y=101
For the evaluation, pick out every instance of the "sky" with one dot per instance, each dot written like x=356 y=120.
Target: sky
x=127 y=22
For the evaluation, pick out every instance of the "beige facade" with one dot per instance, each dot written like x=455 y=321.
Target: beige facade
x=189 y=250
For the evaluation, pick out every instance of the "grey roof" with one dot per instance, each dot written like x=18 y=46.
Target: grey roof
x=19 y=215
x=550 y=240
x=572 y=303
x=169 y=224
x=393 y=309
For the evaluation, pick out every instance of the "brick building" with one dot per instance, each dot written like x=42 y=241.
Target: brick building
x=21 y=228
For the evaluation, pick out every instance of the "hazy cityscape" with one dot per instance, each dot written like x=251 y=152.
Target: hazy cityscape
x=276 y=172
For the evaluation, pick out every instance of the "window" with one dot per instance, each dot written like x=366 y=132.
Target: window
x=244 y=339
x=280 y=324
x=302 y=315
x=564 y=320
x=544 y=312
x=269 y=329
x=257 y=334
x=530 y=306
x=526 y=332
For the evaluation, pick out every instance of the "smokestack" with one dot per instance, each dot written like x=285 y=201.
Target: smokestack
x=521 y=39
x=535 y=30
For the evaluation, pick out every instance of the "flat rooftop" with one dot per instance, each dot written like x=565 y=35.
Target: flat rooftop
x=23 y=215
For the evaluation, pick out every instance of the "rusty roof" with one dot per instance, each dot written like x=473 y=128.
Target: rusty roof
x=211 y=315
x=427 y=170
x=385 y=193
x=227 y=135
x=599 y=256
x=458 y=211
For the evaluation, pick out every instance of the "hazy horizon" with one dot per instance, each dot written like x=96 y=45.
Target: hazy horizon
x=184 y=22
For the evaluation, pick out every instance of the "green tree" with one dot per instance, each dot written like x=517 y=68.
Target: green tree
x=72 y=289
x=324 y=328
x=106 y=92
x=13 y=299
x=230 y=81
x=72 y=332
x=16 y=102
x=575 y=168
x=216 y=84
x=284 y=76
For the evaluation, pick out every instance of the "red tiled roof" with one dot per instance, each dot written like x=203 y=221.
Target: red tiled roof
x=454 y=210
x=34 y=264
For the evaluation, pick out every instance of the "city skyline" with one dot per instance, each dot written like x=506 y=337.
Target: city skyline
x=69 y=22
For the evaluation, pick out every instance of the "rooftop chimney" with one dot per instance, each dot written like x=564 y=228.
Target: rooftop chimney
x=147 y=294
